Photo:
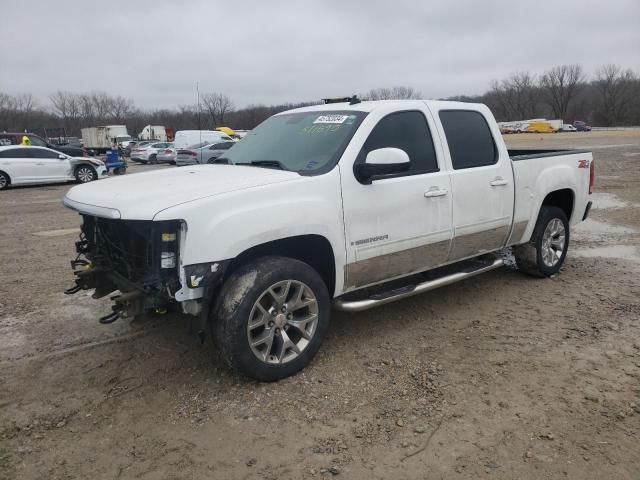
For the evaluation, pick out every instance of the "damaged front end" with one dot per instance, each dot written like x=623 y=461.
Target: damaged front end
x=137 y=258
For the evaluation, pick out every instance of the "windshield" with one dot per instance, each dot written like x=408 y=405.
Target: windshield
x=300 y=142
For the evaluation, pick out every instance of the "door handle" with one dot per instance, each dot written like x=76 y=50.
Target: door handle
x=499 y=182
x=436 y=192
x=40 y=163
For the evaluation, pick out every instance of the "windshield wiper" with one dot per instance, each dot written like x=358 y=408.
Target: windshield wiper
x=266 y=163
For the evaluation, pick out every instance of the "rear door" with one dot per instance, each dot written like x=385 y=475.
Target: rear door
x=19 y=164
x=400 y=224
x=481 y=180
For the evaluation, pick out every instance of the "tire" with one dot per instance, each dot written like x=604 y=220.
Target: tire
x=544 y=255
x=85 y=174
x=153 y=159
x=5 y=181
x=268 y=291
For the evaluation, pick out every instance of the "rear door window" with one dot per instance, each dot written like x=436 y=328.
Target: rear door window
x=17 y=153
x=469 y=138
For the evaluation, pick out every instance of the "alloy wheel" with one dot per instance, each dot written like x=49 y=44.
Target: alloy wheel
x=553 y=242
x=282 y=322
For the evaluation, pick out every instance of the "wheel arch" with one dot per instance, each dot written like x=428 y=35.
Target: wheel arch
x=315 y=250
x=7 y=175
x=563 y=198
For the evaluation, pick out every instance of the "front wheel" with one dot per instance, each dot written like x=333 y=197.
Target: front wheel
x=544 y=255
x=85 y=174
x=270 y=317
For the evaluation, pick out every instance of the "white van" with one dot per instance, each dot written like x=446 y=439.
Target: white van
x=187 y=138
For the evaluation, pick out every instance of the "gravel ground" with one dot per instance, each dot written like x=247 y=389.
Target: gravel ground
x=501 y=376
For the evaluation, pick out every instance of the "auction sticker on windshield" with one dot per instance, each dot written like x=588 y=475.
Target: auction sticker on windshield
x=331 y=119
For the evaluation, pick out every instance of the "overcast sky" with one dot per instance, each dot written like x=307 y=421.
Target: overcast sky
x=268 y=51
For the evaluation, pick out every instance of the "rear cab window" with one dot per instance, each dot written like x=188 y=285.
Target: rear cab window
x=37 y=141
x=469 y=138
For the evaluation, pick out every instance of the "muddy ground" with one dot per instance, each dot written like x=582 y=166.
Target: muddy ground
x=501 y=376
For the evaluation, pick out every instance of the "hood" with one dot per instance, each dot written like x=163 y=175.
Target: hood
x=140 y=196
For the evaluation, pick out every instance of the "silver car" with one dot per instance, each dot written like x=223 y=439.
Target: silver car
x=202 y=153
x=148 y=153
x=168 y=155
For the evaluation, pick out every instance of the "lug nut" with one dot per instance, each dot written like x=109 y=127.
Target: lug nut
x=277 y=331
x=284 y=308
x=289 y=316
x=271 y=323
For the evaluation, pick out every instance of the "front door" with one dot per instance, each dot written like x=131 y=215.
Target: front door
x=400 y=224
x=482 y=182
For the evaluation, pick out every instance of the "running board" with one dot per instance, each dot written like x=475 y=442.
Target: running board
x=411 y=290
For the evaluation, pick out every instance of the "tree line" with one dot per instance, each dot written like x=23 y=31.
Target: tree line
x=610 y=97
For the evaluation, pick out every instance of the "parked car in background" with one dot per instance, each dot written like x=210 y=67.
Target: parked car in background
x=581 y=126
x=200 y=154
x=21 y=165
x=148 y=153
x=126 y=151
x=567 y=127
x=186 y=138
x=7 y=138
x=168 y=155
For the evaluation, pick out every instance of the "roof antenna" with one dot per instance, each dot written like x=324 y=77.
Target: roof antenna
x=354 y=100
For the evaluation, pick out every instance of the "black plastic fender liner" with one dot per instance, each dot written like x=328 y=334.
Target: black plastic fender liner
x=202 y=274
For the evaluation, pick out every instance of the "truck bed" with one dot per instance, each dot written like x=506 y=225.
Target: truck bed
x=528 y=154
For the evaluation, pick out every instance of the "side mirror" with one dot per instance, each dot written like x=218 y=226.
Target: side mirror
x=381 y=162
x=62 y=157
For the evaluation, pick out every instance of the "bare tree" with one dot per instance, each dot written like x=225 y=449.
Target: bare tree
x=393 y=93
x=120 y=108
x=218 y=105
x=560 y=85
x=615 y=88
x=521 y=95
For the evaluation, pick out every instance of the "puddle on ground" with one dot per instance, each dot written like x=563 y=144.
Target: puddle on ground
x=625 y=252
x=607 y=200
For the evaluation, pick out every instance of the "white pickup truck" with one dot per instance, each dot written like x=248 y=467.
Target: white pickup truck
x=351 y=204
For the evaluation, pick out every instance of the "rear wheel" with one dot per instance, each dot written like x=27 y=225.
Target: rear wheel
x=4 y=180
x=544 y=255
x=270 y=317
x=85 y=174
